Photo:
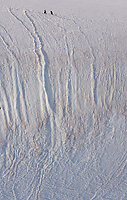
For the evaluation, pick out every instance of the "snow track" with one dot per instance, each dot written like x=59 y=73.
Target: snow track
x=63 y=116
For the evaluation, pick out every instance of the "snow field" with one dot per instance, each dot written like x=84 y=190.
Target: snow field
x=63 y=116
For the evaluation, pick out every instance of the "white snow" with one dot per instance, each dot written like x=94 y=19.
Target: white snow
x=63 y=100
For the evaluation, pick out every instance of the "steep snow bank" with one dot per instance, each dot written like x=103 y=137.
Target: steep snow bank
x=63 y=116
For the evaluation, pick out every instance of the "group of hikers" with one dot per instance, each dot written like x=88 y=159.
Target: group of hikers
x=51 y=12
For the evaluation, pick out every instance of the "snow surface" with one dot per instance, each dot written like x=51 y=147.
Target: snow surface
x=63 y=100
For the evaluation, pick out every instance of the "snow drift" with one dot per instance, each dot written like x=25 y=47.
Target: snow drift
x=63 y=116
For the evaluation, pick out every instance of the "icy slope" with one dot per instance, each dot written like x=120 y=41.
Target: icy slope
x=63 y=99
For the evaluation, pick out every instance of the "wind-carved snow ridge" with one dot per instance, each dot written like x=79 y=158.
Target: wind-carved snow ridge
x=44 y=62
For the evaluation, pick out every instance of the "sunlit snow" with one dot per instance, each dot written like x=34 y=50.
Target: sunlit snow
x=63 y=100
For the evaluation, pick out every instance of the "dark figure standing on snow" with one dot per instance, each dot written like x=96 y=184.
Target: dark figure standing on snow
x=45 y=12
x=51 y=12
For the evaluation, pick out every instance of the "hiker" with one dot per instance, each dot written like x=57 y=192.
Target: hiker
x=51 y=12
x=45 y=12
